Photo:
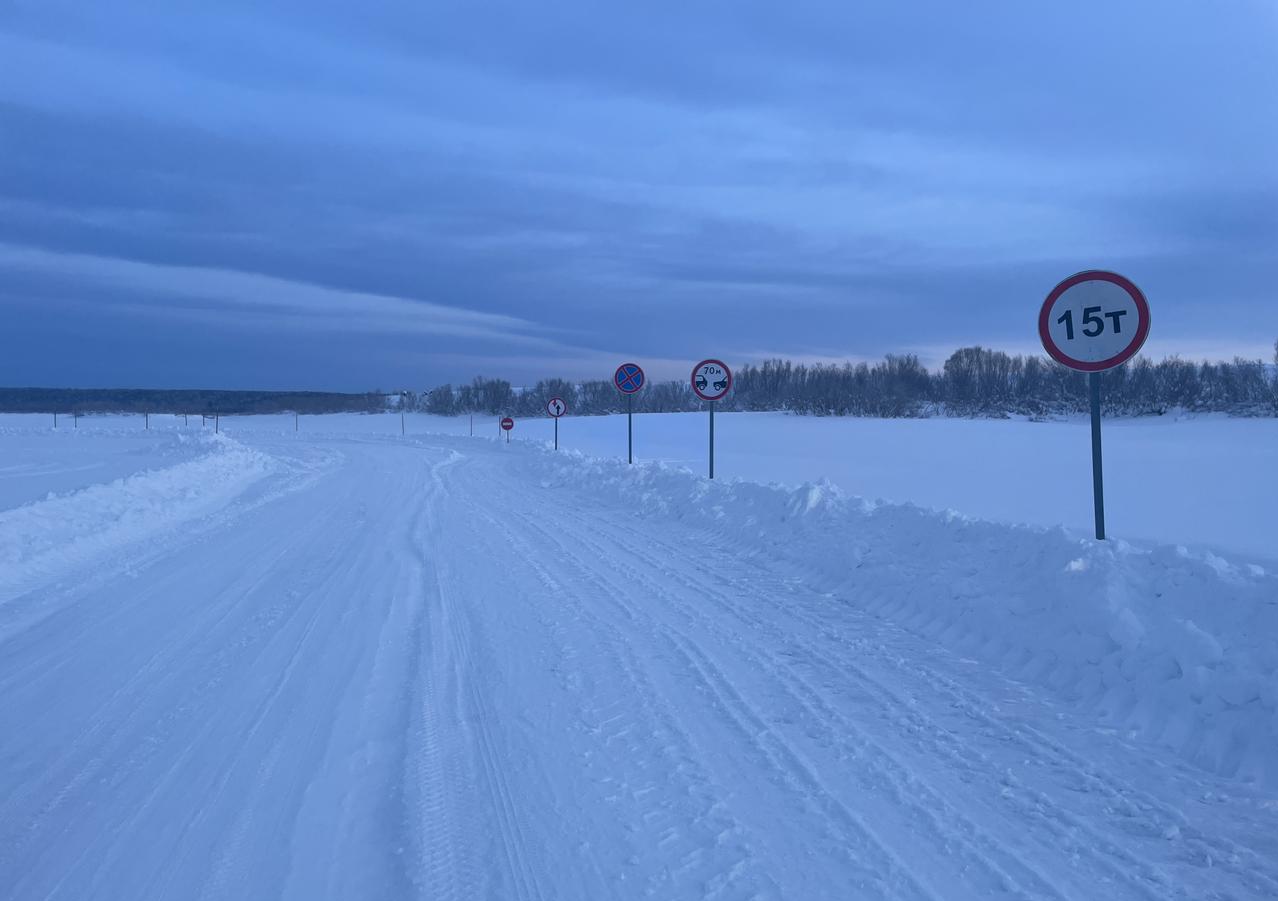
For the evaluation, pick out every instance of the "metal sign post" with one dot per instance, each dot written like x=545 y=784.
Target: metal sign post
x=1091 y=322
x=711 y=381
x=629 y=379
x=556 y=408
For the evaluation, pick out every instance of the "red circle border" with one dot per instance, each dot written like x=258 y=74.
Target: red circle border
x=1094 y=275
x=551 y=401
x=693 y=379
x=616 y=378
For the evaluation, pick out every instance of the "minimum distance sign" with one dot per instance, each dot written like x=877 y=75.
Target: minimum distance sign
x=1094 y=321
x=556 y=407
x=628 y=378
x=711 y=380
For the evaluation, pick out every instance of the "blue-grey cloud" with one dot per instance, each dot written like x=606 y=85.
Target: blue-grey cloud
x=322 y=194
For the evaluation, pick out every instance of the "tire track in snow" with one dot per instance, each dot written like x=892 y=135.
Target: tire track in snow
x=1172 y=827
x=721 y=877
x=1154 y=885
x=451 y=642
x=439 y=788
x=122 y=722
x=781 y=758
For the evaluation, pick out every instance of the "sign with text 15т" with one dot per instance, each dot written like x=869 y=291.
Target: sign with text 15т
x=1094 y=321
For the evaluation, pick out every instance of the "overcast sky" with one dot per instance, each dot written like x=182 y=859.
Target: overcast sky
x=360 y=195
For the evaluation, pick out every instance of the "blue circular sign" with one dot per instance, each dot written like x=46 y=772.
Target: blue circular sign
x=628 y=378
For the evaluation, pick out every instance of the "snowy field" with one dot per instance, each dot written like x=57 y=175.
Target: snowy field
x=1210 y=481
x=345 y=663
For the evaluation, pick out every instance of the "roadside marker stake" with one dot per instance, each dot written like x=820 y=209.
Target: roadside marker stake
x=629 y=379
x=1093 y=321
x=711 y=381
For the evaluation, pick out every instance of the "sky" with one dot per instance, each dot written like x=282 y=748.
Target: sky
x=352 y=196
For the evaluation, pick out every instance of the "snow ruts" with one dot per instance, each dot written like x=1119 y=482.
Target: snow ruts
x=414 y=669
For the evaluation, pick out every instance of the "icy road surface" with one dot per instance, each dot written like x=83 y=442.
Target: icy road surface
x=382 y=668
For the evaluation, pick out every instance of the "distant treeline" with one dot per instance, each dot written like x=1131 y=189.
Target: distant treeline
x=146 y=400
x=974 y=381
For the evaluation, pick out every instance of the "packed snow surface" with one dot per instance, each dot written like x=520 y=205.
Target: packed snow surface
x=345 y=663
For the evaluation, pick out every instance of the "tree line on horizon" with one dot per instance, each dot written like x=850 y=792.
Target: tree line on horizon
x=180 y=400
x=974 y=381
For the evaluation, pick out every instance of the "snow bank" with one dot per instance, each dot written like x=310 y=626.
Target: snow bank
x=1177 y=646
x=40 y=541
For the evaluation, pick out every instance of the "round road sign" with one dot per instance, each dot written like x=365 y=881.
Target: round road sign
x=1094 y=321
x=628 y=378
x=556 y=407
x=711 y=379
x=508 y=423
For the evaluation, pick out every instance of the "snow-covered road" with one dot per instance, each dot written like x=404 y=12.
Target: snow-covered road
x=429 y=668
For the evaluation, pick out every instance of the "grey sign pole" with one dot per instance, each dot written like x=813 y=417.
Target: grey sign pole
x=712 y=439
x=1098 y=479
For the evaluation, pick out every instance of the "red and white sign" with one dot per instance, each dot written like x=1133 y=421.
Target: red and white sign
x=556 y=407
x=507 y=424
x=711 y=379
x=1094 y=321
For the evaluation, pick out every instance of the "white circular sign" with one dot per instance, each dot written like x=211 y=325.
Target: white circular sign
x=556 y=407
x=1094 y=321
x=711 y=379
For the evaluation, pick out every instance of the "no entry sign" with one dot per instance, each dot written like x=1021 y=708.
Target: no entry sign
x=556 y=407
x=507 y=424
x=1094 y=321
x=628 y=378
x=711 y=379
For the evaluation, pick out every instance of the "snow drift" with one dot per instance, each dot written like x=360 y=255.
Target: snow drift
x=42 y=540
x=1176 y=646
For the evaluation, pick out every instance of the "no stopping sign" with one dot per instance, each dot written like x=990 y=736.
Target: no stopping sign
x=1094 y=321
